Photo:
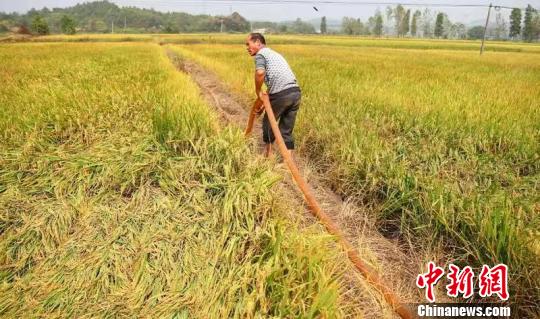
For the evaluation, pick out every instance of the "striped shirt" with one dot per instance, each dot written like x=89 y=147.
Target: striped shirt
x=278 y=74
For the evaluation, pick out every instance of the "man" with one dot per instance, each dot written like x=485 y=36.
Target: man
x=283 y=90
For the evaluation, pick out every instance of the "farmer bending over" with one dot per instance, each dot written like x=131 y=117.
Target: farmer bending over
x=283 y=90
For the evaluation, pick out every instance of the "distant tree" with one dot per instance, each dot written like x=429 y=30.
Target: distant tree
x=448 y=28
x=456 y=31
x=101 y=26
x=536 y=27
x=407 y=22
x=476 y=32
x=171 y=28
x=500 y=26
x=235 y=23
x=67 y=24
x=378 y=30
x=427 y=23
x=39 y=25
x=323 y=25
x=389 y=14
x=528 y=28
x=241 y=22
x=302 y=27
x=370 y=25
x=439 y=25
x=460 y=31
x=414 y=23
x=399 y=19
x=347 y=25
x=515 y=23
x=352 y=26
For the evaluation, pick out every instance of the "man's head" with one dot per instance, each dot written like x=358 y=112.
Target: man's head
x=255 y=42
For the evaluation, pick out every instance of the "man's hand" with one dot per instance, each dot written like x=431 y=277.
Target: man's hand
x=261 y=105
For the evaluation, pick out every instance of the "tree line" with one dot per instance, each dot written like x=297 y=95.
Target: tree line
x=106 y=17
x=401 y=22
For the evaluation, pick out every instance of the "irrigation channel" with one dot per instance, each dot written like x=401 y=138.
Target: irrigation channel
x=395 y=283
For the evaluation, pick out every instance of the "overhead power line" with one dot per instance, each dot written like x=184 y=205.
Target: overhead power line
x=311 y=3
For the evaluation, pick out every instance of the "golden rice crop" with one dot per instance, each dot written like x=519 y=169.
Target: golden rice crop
x=445 y=142
x=120 y=196
x=333 y=40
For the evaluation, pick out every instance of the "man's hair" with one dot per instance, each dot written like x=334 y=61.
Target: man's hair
x=254 y=36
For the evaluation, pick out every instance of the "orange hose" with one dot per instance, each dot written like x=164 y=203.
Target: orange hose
x=370 y=275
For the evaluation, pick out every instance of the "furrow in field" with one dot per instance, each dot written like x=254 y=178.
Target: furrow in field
x=389 y=257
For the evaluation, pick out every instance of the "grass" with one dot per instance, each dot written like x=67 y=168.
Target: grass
x=121 y=196
x=442 y=145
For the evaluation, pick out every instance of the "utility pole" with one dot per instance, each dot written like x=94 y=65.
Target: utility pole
x=125 y=24
x=221 y=28
x=485 y=29
x=112 y=26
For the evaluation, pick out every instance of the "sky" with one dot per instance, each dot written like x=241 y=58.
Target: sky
x=254 y=10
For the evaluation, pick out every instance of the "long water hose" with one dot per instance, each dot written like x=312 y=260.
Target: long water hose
x=371 y=276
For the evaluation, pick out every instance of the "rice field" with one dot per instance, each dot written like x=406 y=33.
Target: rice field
x=122 y=196
x=442 y=145
x=327 y=40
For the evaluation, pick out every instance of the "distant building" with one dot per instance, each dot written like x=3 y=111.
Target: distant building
x=261 y=30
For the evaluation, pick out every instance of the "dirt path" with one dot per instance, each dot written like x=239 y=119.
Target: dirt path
x=397 y=268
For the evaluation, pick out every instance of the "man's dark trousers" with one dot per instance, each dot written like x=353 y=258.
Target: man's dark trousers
x=285 y=105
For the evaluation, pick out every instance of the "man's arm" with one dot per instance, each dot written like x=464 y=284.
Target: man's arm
x=259 y=80
x=260 y=71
